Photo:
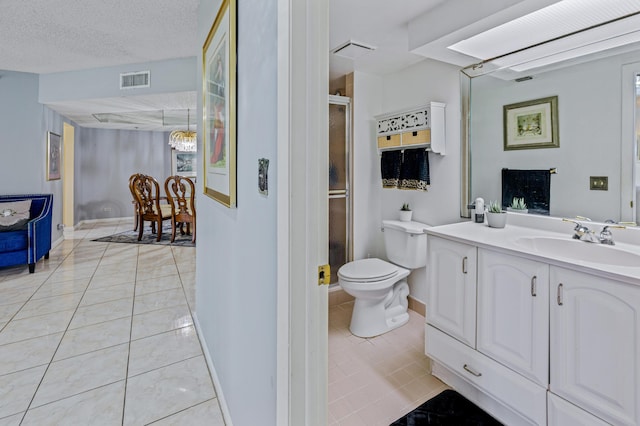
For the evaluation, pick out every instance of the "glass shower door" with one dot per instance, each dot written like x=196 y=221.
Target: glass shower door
x=339 y=180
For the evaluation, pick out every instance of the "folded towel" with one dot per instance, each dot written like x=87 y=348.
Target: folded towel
x=532 y=185
x=390 y=165
x=415 y=170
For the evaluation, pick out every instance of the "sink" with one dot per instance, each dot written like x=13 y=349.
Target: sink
x=579 y=250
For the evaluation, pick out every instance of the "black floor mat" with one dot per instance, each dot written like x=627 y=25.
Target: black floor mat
x=448 y=408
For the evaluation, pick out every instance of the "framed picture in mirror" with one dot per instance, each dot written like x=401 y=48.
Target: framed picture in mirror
x=183 y=163
x=531 y=124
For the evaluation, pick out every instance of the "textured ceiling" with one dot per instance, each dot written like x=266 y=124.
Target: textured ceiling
x=44 y=36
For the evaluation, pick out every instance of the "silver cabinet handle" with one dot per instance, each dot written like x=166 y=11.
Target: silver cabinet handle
x=464 y=265
x=534 y=285
x=560 y=294
x=472 y=371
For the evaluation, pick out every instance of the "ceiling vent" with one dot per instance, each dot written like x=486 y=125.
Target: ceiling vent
x=352 y=49
x=134 y=80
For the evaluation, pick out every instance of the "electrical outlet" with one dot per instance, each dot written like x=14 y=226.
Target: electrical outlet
x=599 y=183
x=60 y=227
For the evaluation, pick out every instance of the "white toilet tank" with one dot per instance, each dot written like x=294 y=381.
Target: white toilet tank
x=406 y=243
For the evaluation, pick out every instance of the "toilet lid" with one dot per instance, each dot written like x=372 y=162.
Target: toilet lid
x=368 y=270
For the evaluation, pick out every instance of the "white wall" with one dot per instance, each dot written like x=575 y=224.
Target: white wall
x=367 y=209
x=424 y=82
x=236 y=251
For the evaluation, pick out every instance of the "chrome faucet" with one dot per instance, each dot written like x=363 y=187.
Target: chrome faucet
x=583 y=233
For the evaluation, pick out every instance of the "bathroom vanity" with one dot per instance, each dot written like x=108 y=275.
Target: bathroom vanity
x=534 y=326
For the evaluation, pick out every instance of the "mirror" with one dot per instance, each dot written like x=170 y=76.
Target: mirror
x=596 y=108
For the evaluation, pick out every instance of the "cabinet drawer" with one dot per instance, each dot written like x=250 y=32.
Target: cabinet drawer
x=388 y=141
x=418 y=137
x=522 y=395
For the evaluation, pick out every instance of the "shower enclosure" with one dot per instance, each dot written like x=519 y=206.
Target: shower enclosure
x=339 y=183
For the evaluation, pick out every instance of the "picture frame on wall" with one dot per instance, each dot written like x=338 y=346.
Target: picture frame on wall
x=54 y=156
x=531 y=124
x=183 y=163
x=219 y=107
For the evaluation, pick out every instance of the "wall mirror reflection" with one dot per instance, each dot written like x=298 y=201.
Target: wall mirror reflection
x=597 y=99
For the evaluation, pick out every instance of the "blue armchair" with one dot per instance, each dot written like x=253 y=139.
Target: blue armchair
x=32 y=242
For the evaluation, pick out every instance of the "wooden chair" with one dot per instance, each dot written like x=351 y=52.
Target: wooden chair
x=146 y=191
x=180 y=192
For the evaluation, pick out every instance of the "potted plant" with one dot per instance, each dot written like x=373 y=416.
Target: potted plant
x=405 y=213
x=518 y=205
x=496 y=217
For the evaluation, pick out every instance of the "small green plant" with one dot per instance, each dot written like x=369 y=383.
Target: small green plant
x=494 y=207
x=518 y=204
x=405 y=207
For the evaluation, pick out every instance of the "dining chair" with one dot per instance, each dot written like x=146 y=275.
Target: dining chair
x=146 y=191
x=180 y=192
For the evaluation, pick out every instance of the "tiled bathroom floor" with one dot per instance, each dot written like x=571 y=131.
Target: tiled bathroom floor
x=102 y=334
x=378 y=380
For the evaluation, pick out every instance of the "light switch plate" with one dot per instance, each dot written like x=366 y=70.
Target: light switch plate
x=599 y=183
x=263 y=176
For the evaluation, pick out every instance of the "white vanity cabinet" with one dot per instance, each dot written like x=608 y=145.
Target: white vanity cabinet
x=451 y=292
x=595 y=344
x=513 y=313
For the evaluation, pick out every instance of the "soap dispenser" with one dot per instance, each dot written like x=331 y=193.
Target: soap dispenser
x=479 y=210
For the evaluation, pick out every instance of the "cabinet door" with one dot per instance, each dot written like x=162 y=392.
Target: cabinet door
x=562 y=413
x=595 y=345
x=451 y=288
x=513 y=313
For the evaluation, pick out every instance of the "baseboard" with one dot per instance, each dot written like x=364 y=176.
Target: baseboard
x=214 y=376
x=417 y=306
x=107 y=219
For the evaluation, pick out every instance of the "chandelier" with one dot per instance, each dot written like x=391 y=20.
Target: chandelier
x=183 y=140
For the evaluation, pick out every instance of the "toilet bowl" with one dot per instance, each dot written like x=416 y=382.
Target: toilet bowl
x=378 y=286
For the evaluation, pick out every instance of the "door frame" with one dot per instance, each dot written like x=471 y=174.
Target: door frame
x=302 y=234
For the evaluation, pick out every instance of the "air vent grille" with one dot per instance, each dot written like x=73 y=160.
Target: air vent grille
x=135 y=80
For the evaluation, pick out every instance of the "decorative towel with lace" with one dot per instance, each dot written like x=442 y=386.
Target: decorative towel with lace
x=414 y=173
x=390 y=165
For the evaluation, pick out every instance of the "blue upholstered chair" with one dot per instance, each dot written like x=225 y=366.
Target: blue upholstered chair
x=31 y=241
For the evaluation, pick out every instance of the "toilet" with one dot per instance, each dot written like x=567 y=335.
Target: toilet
x=380 y=287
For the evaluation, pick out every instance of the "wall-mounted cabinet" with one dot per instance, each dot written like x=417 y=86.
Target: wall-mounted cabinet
x=413 y=128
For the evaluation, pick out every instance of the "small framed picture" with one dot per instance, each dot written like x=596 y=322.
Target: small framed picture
x=54 y=156
x=183 y=163
x=531 y=124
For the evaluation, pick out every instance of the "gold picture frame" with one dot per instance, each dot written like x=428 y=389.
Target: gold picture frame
x=531 y=124
x=54 y=156
x=219 y=106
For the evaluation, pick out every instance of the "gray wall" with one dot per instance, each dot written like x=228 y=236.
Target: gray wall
x=236 y=253
x=23 y=140
x=174 y=75
x=104 y=160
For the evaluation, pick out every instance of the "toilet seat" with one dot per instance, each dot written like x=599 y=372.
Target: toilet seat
x=368 y=270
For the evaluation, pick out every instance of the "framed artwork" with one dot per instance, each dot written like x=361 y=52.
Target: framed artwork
x=183 y=163
x=531 y=124
x=54 y=156
x=219 y=106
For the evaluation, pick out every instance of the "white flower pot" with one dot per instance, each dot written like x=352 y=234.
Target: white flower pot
x=405 y=215
x=509 y=209
x=497 y=220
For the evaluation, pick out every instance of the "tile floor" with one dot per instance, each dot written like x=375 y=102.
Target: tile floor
x=102 y=334
x=378 y=380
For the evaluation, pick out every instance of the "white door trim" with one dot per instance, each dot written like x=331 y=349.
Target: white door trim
x=302 y=235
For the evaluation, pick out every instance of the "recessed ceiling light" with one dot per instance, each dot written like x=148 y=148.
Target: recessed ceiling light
x=353 y=49
x=543 y=25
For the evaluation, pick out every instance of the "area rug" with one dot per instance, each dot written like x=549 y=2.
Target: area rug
x=448 y=408
x=149 y=238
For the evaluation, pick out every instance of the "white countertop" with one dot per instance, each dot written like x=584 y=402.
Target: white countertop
x=506 y=240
